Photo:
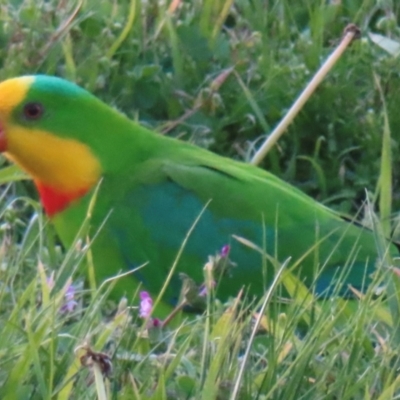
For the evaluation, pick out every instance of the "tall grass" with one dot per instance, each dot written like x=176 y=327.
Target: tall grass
x=221 y=74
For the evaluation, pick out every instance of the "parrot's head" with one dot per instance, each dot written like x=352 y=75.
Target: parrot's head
x=52 y=129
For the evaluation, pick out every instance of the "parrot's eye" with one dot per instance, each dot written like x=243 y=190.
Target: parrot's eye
x=33 y=111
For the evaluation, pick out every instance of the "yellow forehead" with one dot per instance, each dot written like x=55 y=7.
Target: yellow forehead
x=12 y=92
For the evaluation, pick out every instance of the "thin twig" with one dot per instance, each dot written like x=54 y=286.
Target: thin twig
x=214 y=87
x=351 y=32
x=173 y=6
x=173 y=313
x=56 y=36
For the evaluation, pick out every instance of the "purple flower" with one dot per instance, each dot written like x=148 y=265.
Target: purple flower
x=70 y=302
x=145 y=308
x=225 y=251
x=146 y=305
x=203 y=290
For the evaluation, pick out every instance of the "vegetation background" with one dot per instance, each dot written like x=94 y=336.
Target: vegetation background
x=219 y=73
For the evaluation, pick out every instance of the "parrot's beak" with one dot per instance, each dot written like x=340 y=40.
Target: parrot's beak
x=3 y=139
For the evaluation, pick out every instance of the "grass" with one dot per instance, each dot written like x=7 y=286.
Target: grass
x=220 y=74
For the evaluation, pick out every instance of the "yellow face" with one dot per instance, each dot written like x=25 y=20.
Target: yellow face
x=66 y=165
x=13 y=91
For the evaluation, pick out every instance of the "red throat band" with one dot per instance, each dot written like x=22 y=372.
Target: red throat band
x=55 y=201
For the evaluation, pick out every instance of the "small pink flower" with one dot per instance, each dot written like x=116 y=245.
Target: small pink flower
x=145 y=308
x=146 y=305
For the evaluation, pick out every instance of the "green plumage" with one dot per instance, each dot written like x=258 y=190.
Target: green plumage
x=154 y=188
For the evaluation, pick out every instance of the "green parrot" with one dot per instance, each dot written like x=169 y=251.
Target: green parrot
x=152 y=192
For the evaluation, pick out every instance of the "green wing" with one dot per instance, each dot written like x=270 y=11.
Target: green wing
x=161 y=201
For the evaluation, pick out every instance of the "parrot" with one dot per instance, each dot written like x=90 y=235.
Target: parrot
x=159 y=202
